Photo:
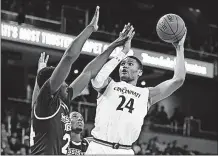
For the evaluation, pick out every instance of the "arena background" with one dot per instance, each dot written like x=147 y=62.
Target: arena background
x=26 y=31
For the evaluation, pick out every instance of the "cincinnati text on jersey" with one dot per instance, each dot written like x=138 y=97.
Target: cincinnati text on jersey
x=124 y=90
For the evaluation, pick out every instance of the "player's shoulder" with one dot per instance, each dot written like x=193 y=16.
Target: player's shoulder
x=142 y=87
x=45 y=93
x=46 y=87
x=88 y=139
x=142 y=90
x=106 y=86
x=108 y=82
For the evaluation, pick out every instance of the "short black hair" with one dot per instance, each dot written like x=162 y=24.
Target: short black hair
x=138 y=61
x=44 y=74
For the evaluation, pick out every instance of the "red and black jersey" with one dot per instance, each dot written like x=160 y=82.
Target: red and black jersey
x=50 y=123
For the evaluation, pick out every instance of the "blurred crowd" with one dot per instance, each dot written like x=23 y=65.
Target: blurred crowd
x=158 y=115
x=15 y=139
x=15 y=130
x=156 y=147
x=208 y=44
x=15 y=134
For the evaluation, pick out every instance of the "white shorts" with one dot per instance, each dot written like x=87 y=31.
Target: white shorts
x=96 y=148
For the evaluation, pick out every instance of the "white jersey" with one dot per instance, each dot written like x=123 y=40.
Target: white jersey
x=120 y=113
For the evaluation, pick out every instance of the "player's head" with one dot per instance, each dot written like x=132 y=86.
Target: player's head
x=77 y=122
x=44 y=74
x=130 y=69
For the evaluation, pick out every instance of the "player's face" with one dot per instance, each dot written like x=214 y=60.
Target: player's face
x=129 y=69
x=77 y=121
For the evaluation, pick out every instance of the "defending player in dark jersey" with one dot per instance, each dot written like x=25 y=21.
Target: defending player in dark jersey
x=52 y=125
x=50 y=122
x=78 y=145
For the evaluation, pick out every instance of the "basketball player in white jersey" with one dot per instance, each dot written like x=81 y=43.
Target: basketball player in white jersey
x=121 y=106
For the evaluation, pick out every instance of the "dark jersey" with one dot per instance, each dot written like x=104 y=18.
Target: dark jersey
x=50 y=124
x=78 y=148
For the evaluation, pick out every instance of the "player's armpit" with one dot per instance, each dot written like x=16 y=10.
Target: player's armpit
x=80 y=83
x=47 y=104
x=69 y=95
x=103 y=88
x=164 y=89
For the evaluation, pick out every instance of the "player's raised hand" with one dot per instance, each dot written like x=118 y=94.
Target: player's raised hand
x=42 y=63
x=94 y=22
x=127 y=45
x=180 y=44
x=123 y=37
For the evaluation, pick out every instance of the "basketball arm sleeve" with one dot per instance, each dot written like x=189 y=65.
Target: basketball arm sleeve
x=100 y=81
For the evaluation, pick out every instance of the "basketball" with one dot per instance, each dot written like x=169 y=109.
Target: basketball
x=170 y=28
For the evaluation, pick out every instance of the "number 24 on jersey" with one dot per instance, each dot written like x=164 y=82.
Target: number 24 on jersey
x=128 y=105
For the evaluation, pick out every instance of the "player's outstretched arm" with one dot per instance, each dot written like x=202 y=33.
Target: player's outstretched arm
x=102 y=78
x=92 y=69
x=42 y=63
x=166 y=88
x=72 y=53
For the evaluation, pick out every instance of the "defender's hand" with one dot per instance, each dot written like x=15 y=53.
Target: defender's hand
x=127 y=45
x=123 y=37
x=42 y=63
x=94 y=22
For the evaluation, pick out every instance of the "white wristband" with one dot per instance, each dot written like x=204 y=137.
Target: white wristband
x=120 y=56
